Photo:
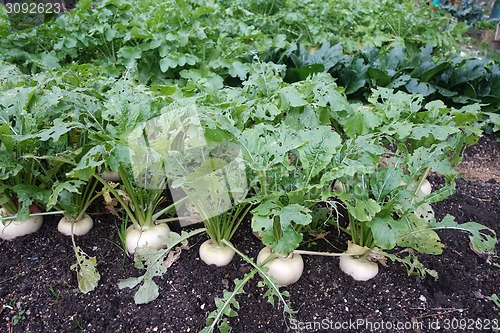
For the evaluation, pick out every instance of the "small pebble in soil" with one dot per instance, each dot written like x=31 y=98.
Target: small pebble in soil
x=34 y=257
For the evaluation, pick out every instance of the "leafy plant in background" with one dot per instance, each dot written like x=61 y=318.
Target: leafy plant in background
x=469 y=11
x=457 y=81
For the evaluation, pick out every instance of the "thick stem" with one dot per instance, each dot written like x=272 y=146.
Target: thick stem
x=326 y=254
x=13 y=217
x=120 y=200
x=422 y=179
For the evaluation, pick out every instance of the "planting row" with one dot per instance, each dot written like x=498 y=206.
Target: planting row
x=212 y=112
x=290 y=155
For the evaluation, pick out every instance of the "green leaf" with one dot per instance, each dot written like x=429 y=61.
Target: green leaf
x=166 y=63
x=129 y=283
x=147 y=292
x=290 y=97
x=239 y=69
x=386 y=231
x=362 y=121
x=50 y=60
x=152 y=261
x=57 y=130
x=414 y=86
x=427 y=70
x=364 y=210
x=27 y=194
x=420 y=236
x=483 y=239
x=129 y=53
x=318 y=150
x=494 y=298
x=86 y=271
x=380 y=76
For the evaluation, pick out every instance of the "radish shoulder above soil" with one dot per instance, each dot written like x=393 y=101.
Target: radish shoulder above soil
x=286 y=270
x=78 y=228
x=213 y=254
x=149 y=236
x=10 y=229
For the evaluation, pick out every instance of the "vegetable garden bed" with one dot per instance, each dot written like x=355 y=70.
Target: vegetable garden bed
x=37 y=282
x=263 y=165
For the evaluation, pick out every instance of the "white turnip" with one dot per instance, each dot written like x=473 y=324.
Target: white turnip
x=80 y=227
x=360 y=269
x=149 y=236
x=338 y=186
x=355 y=262
x=426 y=187
x=213 y=254
x=10 y=229
x=111 y=176
x=286 y=270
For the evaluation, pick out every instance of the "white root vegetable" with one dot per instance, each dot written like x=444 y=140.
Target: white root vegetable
x=10 y=229
x=111 y=176
x=212 y=254
x=360 y=269
x=80 y=227
x=338 y=186
x=286 y=270
x=135 y=238
x=426 y=187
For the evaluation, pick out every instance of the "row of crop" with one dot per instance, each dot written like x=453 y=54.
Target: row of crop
x=455 y=80
x=288 y=154
x=167 y=37
x=180 y=97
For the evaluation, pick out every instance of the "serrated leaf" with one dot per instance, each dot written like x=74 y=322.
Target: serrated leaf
x=147 y=292
x=320 y=146
x=129 y=283
x=420 y=236
x=86 y=271
x=152 y=261
x=290 y=97
x=386 y=231
x=483 y=239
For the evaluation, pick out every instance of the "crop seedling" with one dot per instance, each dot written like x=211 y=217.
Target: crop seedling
x=55 y=294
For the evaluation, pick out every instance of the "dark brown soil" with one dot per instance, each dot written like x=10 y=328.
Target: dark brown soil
x=38 y=291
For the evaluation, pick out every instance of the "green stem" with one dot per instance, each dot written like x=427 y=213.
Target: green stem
x=166 y=209
x=422 y=179
x=327 y=254
x=86 y=200
x=33 y=214
x=120 y=200
x=239 y=218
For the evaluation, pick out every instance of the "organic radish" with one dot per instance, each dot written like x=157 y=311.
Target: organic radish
x=426 y=187
x=356 y=264
x=213 y=254
x=79 y=227
x=111 y=176
x=338 y=186
x=286 y=270
x=10 y=229
x=360 y=269
x=149 y=236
